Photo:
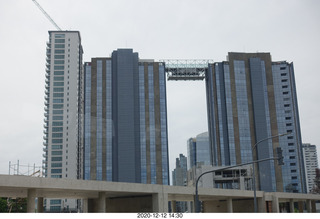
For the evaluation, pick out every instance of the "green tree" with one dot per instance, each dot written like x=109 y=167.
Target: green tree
x=3 y=205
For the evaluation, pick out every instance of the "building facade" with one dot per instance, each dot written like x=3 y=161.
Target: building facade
x=63 y=94
x=125 y=134
x=199 y=150
x=179 y=174
x=251 y=98
x=310 y=158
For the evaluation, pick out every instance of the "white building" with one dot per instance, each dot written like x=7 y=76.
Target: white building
x=63 y=95
x=310 y=164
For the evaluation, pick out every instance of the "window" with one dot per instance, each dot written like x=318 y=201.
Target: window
x=57 y=112
x=57 y=100
x=55 y=176
x=59 y=51
x=57 y=123
x=56 y=147
x=60 y=35
x=56 y=158
x=291 y=151
x=57 y=141
x=285 y=86
x=285 y=93
x=292 y=164
x=59 y=46
x=58 y=83
x=289 y=124
x=283 y=68
x=288 y=118
x=293 y=171
x=58 y=67
x=59 y=62
x=57 y=135
x=55 y=202
x=58 y=94
x=56 y=78
x=58 y=89
x=57 y=106
x=292 y=157
x=56 y=152
x=286 y=105
x=58 y=72
x=291 y=144
x=294 y=177
x=284 y=80
x=59 y=56
x=59 y=41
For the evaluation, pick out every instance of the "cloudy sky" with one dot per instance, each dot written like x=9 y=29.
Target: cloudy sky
x=157 y=29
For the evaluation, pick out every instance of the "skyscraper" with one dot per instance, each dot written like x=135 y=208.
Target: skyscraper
x=63 y=93
x=179 y=174
x=310 y=158
x=125 y=134
x=199 y=151
x=250 y=98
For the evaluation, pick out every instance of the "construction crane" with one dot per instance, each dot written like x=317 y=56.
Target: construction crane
x=46 y=14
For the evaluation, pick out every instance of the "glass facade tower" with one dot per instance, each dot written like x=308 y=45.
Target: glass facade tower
x=125 y=136
x=250 y=98
x=199 y=151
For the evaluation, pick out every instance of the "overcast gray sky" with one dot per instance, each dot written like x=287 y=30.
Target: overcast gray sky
x=166 y=29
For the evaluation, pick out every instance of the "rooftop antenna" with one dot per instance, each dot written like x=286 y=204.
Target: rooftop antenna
x=46 y=14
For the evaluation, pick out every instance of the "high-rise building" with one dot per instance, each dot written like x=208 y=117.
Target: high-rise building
x=179 y=174
x=251 y=98
x=63 y=93
x=310 y=158
x=199 y=151
x=125 y=134
x=179 y=178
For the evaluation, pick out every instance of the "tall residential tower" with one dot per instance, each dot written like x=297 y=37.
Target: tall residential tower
x=63 y=93
x=251 y=98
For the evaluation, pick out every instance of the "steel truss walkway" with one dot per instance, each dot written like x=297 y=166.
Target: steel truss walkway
x=186 y=70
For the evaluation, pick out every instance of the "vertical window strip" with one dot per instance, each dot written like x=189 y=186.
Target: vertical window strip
x=99 y=120
x=219 y=107
x=87 y=122
x=242 y=106
x=270 y=146
x=163 y=121
x=109 y=120
x=143 y=152
x=232 y=149
x=152 y=126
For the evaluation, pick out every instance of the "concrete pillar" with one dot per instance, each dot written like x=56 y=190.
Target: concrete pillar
x=313 y=204
x=300 y=206
x=291 y=206
x=309 y=208
x=261 y=205
x=102 y=202
x=40 y=205
x=85 y=208
x=31 y=204
x=229 y=205
x=275 y=204
x=160 y=202
x=174 y=206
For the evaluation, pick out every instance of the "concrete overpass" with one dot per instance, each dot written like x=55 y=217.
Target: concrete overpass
x=101 y=196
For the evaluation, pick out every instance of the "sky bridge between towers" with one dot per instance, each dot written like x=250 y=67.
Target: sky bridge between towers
x=186 y=69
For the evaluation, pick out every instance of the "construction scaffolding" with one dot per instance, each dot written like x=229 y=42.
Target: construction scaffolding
x=26 y=170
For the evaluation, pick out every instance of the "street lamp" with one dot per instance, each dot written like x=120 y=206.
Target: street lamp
x=253 y=169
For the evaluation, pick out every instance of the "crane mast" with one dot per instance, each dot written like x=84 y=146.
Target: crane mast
x=46 y=14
